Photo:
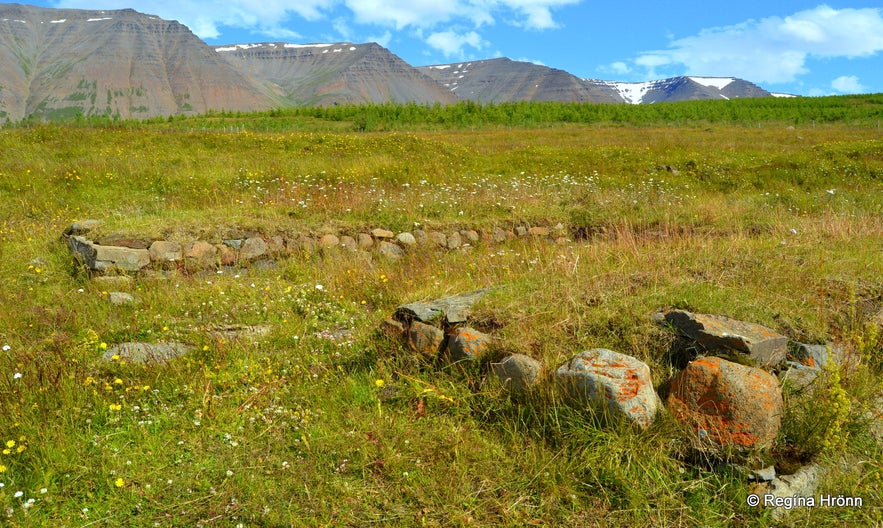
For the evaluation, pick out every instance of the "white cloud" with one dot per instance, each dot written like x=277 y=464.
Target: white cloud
x=206 y=18
x=774 y=49
x=452 y=43
x=848 y=84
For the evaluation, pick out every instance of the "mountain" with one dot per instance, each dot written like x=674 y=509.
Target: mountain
x=62 y=63
x=322 y=74
x=501 y=80
x=59 y=63
x=683 y=89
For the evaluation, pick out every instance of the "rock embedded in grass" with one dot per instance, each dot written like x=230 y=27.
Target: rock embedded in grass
x=467 y=344
x=252 y=249
x=728 y=403
x=424 y=339
x=517 y=373
x=166 y=251
x=328 y=241
x=406 y=239
x=144 y=353
x=720 y=335
x=611 y=382
x=390 y=251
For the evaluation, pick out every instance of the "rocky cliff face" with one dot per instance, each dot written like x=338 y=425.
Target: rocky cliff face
x=502 y=80
x=322 y=74
x=61 y=63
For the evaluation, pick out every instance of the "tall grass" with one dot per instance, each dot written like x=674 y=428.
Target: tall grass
x=322 y=421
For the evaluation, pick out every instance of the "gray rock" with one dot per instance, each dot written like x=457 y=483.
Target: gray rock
x=235 y=332
x=798 y=377
x=348 y=242
x=420 y=236
x=143 y=353
x=611 y=382
x=253 y=248
x=119 y=240
x=233 y=243
x=406 y=239
x=804 y=483
x=454 y=241
x=452 y=310
x=721 y=335
x=390 y=250
x=104 y=258
x=517 y=373
x=816 y=356
x=365 y=240
x=165 y=251
x=437 y=239
x=424 y=339
x=82 y=227
x=499 y=235
x=121 y=298
x=520 y=231
x=470 y=235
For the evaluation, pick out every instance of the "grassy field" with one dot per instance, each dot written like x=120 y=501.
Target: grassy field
x=322 y=422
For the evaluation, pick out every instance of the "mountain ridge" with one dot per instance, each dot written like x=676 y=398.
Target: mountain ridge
x=64 y=63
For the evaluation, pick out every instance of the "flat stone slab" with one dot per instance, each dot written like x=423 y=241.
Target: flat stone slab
x=615 y=382
x=143 y=353
x=451 y=310
x=718 y=335
x=103 y=258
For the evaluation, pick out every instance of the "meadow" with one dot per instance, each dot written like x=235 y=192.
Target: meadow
x=770 y=213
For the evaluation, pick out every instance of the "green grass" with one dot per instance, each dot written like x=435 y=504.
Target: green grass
x=775 y=226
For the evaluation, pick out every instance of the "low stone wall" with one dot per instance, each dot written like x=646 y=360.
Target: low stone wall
x=121 y=253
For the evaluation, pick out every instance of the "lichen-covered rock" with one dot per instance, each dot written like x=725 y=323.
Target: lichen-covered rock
x=729 y=403
x=466 y=344
x=406 y=239
x=517 y=373
x=615 y=382
x=722 y=335
x=426 y=340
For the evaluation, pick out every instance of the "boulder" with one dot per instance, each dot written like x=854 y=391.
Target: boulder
x=437 y=239
x=611 y=382
x=470 y=235
x=729 y=403
x=518 y=373
x=143 y=353
x=454 y=241
x=466 y=344
x=802 y=484
x=721 y=335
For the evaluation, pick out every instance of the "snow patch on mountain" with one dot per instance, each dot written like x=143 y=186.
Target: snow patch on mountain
x=713 y=82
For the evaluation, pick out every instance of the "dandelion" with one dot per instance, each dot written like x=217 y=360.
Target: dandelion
x=378 y=383
x=10 y=443
x=119 y=482
x=118 y=381
x=115 y=407
x=3 y=468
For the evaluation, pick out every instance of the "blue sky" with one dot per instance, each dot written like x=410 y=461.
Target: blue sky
x=804 y=48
